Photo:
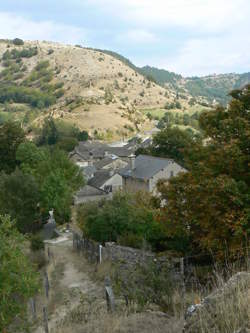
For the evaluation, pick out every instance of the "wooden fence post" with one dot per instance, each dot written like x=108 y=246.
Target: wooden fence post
x=46 y=284
x=45 y=320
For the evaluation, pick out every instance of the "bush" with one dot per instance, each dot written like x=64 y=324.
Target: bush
x=50 y=51
x=120 y=218
x=42 y=65
x=20 y=94
x=131 y=240
x=67 y=144
x=36 y=243
x=18 y=41
x=145 y=284
x=83 y=136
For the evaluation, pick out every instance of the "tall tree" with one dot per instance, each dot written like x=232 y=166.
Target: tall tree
x=57 y=177
x=210 y=204
x=19 y=197
x=11 y=135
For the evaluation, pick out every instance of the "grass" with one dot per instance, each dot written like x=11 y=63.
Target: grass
x=225 y=310
x=155 y=113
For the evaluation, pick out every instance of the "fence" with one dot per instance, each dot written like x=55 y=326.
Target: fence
x=189 y=270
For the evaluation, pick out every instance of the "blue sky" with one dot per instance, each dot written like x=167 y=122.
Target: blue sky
x=191 y=37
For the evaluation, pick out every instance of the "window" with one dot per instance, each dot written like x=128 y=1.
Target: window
x=171 y=174
x=108 y=188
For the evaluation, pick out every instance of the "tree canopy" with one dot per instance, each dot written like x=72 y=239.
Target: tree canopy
x=11 y=135
x=209 y=205
x=56 y=176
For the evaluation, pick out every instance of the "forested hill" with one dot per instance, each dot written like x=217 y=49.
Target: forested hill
x=211 y=87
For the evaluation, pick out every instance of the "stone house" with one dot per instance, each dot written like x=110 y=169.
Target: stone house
x=106 y=180
x=110 y=163
x=143 y=172
x=89 y=193
x=87 y=153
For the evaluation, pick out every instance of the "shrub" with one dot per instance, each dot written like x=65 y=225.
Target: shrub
x=42 y=65
x=119 y=218
x=20 y=94
x=67 y=144
x=36 y=243
x=18 y=41
x=83 y=136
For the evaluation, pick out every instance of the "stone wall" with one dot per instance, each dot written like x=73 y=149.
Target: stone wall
x=97 y=253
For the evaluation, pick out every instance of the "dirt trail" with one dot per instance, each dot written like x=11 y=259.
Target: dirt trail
x=70 y=282
x=77 y=304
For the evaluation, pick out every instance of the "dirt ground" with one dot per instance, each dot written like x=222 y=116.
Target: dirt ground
x=77 y=303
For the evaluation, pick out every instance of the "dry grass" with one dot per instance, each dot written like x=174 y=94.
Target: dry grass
x=228 y=309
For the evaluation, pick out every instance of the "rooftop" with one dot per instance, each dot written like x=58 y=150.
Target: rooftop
x=100 y=177
x=146 y=167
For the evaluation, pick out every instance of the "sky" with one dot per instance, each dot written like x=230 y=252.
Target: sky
x=189 y=37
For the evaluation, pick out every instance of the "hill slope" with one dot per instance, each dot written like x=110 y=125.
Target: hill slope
x=86 y=87
x=211 y=87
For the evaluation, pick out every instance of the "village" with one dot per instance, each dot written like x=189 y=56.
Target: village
x=111 y=168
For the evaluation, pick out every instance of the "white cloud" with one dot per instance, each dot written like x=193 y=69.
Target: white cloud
x=210 y=55
x=136 y=36
x=205 y=15
x=12 y=25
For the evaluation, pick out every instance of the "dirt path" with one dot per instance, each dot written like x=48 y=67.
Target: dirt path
x=70 y=283
x=77 y=303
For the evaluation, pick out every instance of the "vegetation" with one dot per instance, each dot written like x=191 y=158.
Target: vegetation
x=19 y=197
x=11 y=135
x=175 y=118
x=18 y=41
x=56 y=176
x=145 y=284
x=17 y=53
x=128 y=219
x=36 y=243
x=35 y=90
x=47 y=179
x=209 y=205
x=160 y=76
x=31 y=96
x=61 y=134
x=172 y=143
x=18 y=280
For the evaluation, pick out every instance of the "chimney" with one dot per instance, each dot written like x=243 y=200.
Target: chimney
x=111 y=173
x=132 y=162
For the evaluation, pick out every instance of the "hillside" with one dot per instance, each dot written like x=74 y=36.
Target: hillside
x=85 y=87
x=98 y=90
x=212 y=88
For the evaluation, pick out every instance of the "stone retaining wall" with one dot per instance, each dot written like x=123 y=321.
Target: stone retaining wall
x=97 y=253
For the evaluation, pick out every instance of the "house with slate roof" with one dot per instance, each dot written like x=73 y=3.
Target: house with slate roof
x=87 y=153
x=143 y=172
x=113 y=163
x=106 y=180
x=89 y=193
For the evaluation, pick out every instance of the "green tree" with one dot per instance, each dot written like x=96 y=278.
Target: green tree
x=11 y=135
x=19 y=197
x=67 y=144
x=210 y=204
x=18 y=281
x=128 y=219
x=57 y=177
x=173 y=143
x=49 y=134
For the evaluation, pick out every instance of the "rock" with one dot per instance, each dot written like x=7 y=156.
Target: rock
x=221 y=298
